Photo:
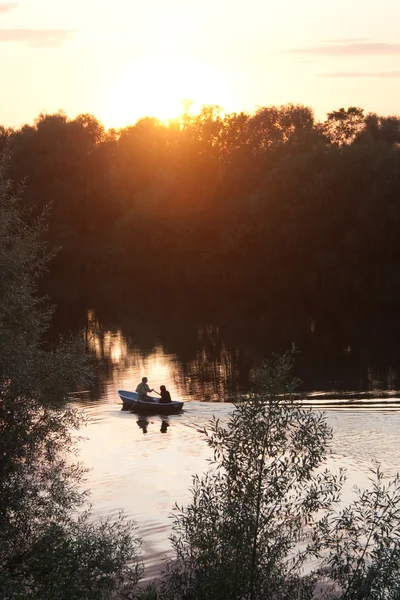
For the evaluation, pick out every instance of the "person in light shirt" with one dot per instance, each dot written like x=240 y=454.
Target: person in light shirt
x=143 y=389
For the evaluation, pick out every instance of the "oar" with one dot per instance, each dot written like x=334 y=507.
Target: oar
x=155 y=392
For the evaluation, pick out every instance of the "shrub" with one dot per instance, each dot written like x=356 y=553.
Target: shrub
x=254 y=518
x=46 y=549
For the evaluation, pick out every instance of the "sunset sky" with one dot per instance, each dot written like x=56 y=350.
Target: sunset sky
x=123 y=59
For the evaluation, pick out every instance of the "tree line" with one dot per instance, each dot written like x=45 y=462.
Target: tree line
x=269 y=202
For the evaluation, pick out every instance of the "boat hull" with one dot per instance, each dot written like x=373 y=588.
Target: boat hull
x=130 y=400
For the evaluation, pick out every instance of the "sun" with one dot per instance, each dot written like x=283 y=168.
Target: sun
x=158 y=88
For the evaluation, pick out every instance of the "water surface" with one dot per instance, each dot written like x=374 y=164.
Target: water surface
x=206 y=358
x=144 y=465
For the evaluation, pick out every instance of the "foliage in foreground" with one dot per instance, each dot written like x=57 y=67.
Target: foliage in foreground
x=362 y=543
x=47 y=550
x=267 y=511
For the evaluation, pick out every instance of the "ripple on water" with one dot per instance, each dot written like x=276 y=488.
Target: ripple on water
x=143 y=466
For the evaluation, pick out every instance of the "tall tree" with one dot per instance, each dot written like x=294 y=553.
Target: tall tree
x=46 y=548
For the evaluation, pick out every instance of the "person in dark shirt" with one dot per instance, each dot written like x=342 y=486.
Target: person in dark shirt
x=165 y=395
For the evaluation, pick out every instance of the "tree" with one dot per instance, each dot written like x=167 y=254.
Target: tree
x=362 y=544
x=239 y=537
x=267 y=507
x=343 y=126
x=46 y=549
x=381 y=129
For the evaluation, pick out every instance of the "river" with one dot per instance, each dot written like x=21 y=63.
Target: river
x=143 y=466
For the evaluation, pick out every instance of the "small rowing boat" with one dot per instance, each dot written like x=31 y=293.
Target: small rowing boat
x=152 y=407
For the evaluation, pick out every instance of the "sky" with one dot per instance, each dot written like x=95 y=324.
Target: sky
x=124 y=59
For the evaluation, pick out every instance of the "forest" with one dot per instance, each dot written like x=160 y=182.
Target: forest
x=274 y=205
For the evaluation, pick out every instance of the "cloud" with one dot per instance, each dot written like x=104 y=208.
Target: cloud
x=350 y=49
x=346 y=41
x=37 y=38
x=382 y=74
x=7 y=6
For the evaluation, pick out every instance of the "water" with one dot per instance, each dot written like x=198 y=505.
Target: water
x=205 y=355
x=144 y=474
x=209 y=346
x=143 y=466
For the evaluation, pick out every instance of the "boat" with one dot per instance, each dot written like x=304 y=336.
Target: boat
x=130 y=400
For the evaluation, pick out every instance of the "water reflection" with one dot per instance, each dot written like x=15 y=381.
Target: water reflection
x=206 y=365
x=207 y=376
x=204 y=356
x=164 y=425
x=143 y=423
x=145 y=474
x=105 y=344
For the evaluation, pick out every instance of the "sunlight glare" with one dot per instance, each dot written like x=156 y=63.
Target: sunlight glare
x=159 y=88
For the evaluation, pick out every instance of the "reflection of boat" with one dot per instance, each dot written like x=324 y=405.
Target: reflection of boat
x=164 y=425
x=143 y=423
x=131 y=400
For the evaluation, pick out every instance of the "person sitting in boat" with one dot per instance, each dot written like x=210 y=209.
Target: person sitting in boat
x=143 y=389
x=165 y=395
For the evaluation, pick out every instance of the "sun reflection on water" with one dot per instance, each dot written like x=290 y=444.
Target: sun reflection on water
x=206 y=376
x=144 y=464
